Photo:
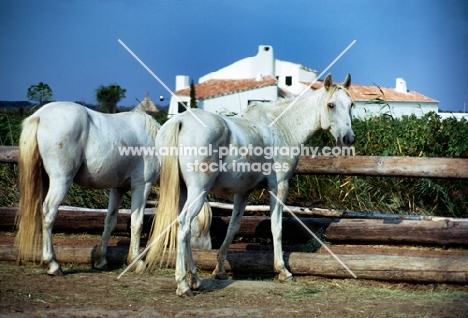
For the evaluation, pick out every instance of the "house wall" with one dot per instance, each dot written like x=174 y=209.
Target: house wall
x=396 y=109
x=261 y=64
x=174 y=104
x=458 y=116
x=265 y=64
x=236 y=103
x=298 y=74
x=284 y=69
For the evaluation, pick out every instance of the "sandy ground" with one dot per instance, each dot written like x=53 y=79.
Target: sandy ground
x=26 y=291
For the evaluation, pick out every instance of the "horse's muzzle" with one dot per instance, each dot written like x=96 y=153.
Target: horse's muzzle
x=346 y=140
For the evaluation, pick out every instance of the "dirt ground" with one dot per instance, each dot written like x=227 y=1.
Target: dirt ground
x=26 y=291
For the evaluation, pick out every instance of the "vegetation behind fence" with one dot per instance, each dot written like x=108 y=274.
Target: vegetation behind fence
x=428 y=136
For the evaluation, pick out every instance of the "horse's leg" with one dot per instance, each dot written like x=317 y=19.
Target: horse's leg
x=276 y=208
x=57 y=190
x=194 y=281
x=183 y=244
x=240 y=201
x=139 y=195
x=115 y=198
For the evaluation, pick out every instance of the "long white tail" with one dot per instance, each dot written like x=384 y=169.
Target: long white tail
x=204 y=218
x=29 y=216
x=163 y=235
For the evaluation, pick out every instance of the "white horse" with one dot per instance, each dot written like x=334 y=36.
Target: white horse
x=246 y=154
x=64 y=142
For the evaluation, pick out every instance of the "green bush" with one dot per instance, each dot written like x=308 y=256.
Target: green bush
x=10 y=128
x=428 y=136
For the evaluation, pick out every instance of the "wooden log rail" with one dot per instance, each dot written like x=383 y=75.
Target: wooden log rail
x=440 y=267
x=420 y=167
x=322 y=212
x=439 y=232
x=9 y=154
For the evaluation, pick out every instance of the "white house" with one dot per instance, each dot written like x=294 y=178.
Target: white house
x=458 y=116
x=396 y=101
x=264 y=78
x=373 y=100
x=257 y=78
x=227 y=96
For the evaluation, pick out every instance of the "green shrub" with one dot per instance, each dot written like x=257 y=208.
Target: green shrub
x=10 y=128
x=428 y=136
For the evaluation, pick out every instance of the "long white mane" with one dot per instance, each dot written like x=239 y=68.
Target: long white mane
x=151 y=125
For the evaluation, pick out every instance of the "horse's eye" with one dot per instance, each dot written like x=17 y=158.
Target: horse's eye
x=331 y=105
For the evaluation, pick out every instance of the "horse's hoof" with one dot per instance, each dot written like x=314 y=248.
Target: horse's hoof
x=101 y=268
x=53 y=268
x=187 y=294
x=140 y=267
x=195 y=284
x=102 y=265
x=57 y=273
x=221 y=276
x=290 y=279
x=286 y=278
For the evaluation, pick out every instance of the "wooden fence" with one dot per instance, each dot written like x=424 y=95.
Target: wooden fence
x=371 y=262
x=422 y=167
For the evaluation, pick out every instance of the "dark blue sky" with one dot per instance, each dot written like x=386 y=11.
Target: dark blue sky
x=72 y=45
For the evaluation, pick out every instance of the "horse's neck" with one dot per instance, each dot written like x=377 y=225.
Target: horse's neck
x=301 y=120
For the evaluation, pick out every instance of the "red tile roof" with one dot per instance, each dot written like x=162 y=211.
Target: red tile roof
x=365 y=93
x=219 y=87
x=214 y=88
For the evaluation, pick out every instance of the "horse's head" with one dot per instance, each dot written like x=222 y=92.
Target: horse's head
x=335 y=114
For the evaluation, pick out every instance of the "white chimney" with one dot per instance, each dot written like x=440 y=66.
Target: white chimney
x=182 y=81
x=265 y=60
x=401 y=85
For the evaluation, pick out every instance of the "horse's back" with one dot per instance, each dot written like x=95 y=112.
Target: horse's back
x=62 y=129
x=195 y=120
x=219 y=131
x=75 y=140
x=57 y=117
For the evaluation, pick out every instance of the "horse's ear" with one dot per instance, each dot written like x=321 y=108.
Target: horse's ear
x=328 y=82
x=347 y=81
x=139 y=109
